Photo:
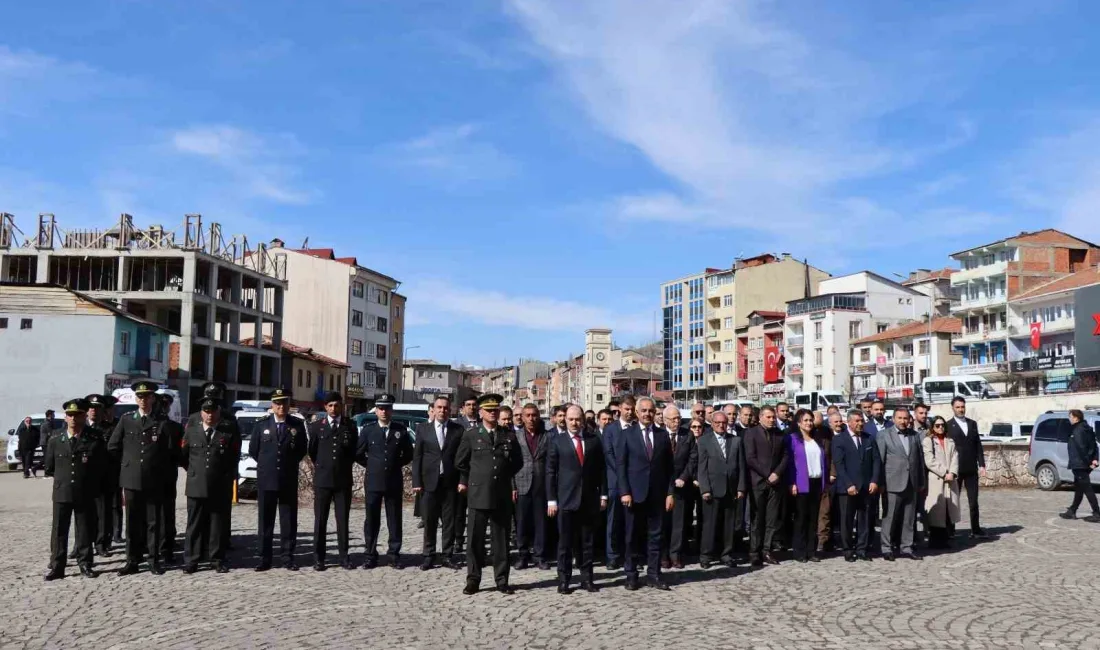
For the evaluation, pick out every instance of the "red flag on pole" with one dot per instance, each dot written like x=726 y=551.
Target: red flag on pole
x=772 y=362
x=1036 y=334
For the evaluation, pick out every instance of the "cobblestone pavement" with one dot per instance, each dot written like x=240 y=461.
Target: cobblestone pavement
x=1033 y=586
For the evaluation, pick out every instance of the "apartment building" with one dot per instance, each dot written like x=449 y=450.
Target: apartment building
x=425 y=379
x=936 y=285
x=214 y=293
x=342 y=309
x=760 y=338
x=1041 y=337
x=701 y=314
x=397 y=342
x=819 y=330
x=994 y=274
x=892 y=363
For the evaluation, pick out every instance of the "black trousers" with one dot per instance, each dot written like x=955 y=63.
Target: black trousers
x=766 y=506
x=63 y=515
x=287 y=504
x=615 y=529
x=207 y=531
x=806 y=507
x=719 y=523
x=499 y=521
x=372 y=523
x=144 y=524
x=437 y=505
x=168 y=540
x=26 y=457
x=970 y=483
x=109 y=514
x=675 y=532
x=642 y=522
x=531 y=525
x=855 y=512
x=695 y=514
x=323 y=500
x=576 y=531
x=1082 y=488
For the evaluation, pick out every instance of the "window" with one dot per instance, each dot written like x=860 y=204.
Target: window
x=356 y=347
x=332 y=381
x=397 y=312
x=905 y=374
x=372 y=322
x=818 y=329
x=727 y=345
x=356 y=318
x=817 y=356
x=727 y=368
x=865 y=355
x=357 y=289
x=817 y=382
x=855 y=330
x=354 y=379
x=300 y=375
x=369 y=376
x=3 y=323
x=881 y=327
x=906 y=349
x=158 y=352
x=727 y=301
x=383 y=324
x=124 y=344
x=381 y=351
x=727 y=322
x=922 y=348
x=1055 y=429
x=26 y=323
x=309 y=379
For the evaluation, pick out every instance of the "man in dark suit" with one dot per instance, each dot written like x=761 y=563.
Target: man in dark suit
x=278 y=445
x=468 y=419
x=857 y=465
x=968 y=445
x=109 y=503
x=530 y=489
x=384 y=448
x=76 y=458
x=722 y=482
x=575 y=477
x=487 y=460
x=766 y=458
x=434 y=478
x=557 y=420
x=615 y=514
x=643 y=457
x=905 y=480
x=676 y=523
x=209 y=453
x=28 y=436
x=148 y=456
x=333 y=441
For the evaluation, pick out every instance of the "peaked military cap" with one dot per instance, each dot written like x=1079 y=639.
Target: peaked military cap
x=78 y=405
x=490 y=401
x=100 y=401
x=215 y=389
x=385 y=400
x=144 y=387
x=280 y=395
x=210 y=404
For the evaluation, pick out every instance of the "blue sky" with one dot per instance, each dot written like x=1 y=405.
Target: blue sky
x=531 y=168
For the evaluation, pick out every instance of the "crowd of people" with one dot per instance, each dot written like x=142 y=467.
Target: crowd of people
x=630 y=486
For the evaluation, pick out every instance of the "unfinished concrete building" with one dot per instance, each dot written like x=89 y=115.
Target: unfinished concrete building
x=213 y=292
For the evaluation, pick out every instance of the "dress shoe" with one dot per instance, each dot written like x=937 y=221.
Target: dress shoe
x=87 y=572
x=190 y=568
x=979 y=534
x=319 y=566
x=911 y=556
x=666 y=564
x=470 y=589
x=632 y=584
x=449 y=563
x=370 y=563
x=74 y=554
x=426 y=564
x=290 y=565
x=1068 y=514
x=770 y=559
x=589 y=586
x=615 y=565
x=157 y=569
x=801 y=560
x=168 y=558
x=544 y=566
x=104 y=551
x=128 y=570
x=849 y=557
x=863 y=557
x=563 y=589
x=704 y=564
x=757 y=562
x=655 y=583
x=55 y=574
x=1093 y=518
x=345 y=563
x=507 y=590
x=221 y=567
x=395 y=561
x=731 y=564
x=889 y=557
x=522 y=563
x=264 y=566
x=419 y=524
x=814 y=558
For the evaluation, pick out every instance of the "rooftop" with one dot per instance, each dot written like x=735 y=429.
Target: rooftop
x=942 y=325
x=1083 y=278
x=299 y=351
x=776 y=315
x=1049 y=236
x=921 y=276
x=103 y=304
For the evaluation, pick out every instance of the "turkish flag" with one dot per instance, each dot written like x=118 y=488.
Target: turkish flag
x=1036 y=335
x=773 y=361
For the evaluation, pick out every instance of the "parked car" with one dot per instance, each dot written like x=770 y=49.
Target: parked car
x=941 y=390
x=1048 y=459
x=1008 y=432
x=12 y=456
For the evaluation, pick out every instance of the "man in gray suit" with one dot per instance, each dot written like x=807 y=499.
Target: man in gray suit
x=905 y=477
x=722 y=482
x=530 y=490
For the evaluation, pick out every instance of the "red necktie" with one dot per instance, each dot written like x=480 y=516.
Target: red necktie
x=580 y=449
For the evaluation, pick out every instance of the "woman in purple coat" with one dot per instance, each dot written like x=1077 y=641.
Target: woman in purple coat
x=807 y=476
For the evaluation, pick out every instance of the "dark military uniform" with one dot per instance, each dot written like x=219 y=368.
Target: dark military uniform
x=383 y=451
x=174 y=431
x=78 y=465
x=487 y=460
x=109 y=503
x=148 y=456
x=278 y=448
x=210 y=457
x=216 y=390
x=332 y=450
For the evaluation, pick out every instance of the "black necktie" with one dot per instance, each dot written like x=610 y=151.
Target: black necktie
x=209 y=435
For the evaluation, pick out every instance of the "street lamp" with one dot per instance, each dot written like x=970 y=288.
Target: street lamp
x=406 y=357
x=404 y=360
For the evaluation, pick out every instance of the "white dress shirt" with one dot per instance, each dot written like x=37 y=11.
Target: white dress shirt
x=813 y=458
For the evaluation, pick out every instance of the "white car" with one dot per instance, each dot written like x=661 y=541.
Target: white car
x=13 y=441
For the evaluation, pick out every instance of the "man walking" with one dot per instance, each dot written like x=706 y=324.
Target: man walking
x=333 y=441
x=210 y=451
x=278 y=445
x=905 y=478
x=575 y=477
x=384 y=448
x=1081 y=450
x=968 y=445
x=530 y=488
x=28 y=435
x=435 y=479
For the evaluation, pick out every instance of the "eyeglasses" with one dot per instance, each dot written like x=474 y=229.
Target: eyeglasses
x=938 y=425
x=696 y=427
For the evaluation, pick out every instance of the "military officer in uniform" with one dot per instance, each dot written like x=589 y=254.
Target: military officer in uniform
x=174 y=431
x=278 y=444
x=488 y=459
x=76 y=458
x=109 y=503
x=332 y=444
x=384 y=447
x=216 y=390
x=209 y=453
x=148 y=456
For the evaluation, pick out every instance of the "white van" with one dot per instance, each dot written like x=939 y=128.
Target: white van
x=941 y=390
x=820 y=400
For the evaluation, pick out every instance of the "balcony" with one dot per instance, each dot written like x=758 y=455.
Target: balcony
x=1049 y=327
x=795 y=341
x=836 y=301
x=864 y=369
x=981 y=272
x=794 y=370
x=982 y=303
x=712 y=335
x=979 y=336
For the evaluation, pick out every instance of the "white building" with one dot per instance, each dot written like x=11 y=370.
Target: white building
x=891 y=364
x=819 y=330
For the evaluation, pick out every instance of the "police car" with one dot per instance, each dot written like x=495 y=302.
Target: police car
x=246 y=467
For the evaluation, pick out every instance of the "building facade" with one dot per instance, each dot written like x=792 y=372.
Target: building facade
x=763 y=335
x=994 y=274
x=893 y=363
x=936 y=285
x=397 y=342
x=424 y=380
x=310 y=375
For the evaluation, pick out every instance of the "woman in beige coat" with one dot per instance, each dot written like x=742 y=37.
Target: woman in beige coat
x=942 y=502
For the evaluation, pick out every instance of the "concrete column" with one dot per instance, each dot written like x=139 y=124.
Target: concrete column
x=42 y=273
x=190 y=273
x=122 y=267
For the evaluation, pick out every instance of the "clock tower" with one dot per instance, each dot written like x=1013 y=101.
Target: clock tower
x=597 y=369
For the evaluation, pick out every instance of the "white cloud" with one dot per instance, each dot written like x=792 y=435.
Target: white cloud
x=254 y=161
x=31 y=82
x=538 y=313
x=454 y=155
